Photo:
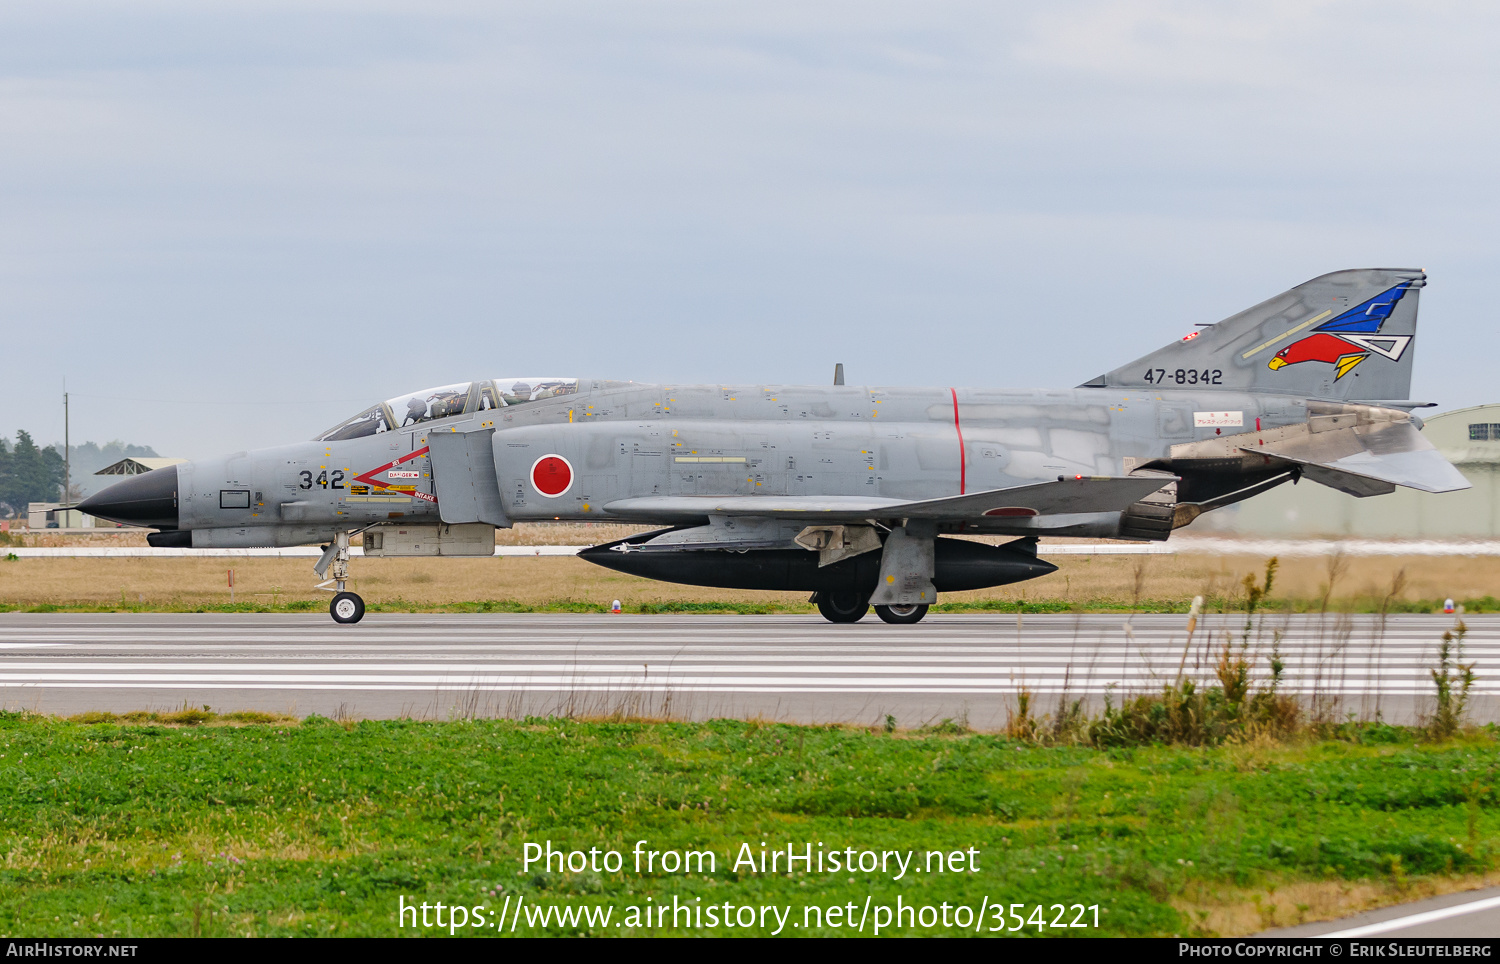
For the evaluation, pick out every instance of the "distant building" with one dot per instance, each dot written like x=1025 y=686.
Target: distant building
x=1468 y=437
x=137 y=466
x=57 y=515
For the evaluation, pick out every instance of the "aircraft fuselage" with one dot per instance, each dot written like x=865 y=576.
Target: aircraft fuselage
x=625 y=441
x=846 y=491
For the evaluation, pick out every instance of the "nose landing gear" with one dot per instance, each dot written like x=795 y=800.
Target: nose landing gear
x=346 y=606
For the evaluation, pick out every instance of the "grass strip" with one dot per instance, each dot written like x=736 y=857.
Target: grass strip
x=196 y=823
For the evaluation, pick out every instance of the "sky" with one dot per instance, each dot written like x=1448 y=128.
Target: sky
x=231 y=225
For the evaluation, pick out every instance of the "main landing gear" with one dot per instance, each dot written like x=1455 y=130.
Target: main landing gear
x=901 y=615
x=346 y=606
x=904 y=588
x=842 y=607
x=850 y=607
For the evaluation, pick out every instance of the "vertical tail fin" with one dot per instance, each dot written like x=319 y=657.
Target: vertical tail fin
x=1345 y=335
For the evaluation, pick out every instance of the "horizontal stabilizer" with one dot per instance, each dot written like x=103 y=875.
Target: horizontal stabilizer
x=1388 y=453
x=1086 y=494
x=1359 y=449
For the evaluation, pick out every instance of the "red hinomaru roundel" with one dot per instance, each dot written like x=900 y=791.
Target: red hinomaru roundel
x=552 y=475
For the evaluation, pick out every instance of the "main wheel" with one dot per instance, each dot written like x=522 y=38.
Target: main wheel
x=347 y=608
x=901 y=615
x=843 y=607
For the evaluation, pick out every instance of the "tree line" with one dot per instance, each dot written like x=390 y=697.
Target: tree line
x=28 y=473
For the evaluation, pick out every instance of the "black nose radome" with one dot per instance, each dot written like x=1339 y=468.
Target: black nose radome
x=148 y=499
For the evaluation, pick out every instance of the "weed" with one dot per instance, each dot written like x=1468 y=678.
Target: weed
x=1453 y=679
x=948 y=727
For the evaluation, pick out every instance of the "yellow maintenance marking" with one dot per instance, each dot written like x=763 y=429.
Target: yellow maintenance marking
x=1288 y=333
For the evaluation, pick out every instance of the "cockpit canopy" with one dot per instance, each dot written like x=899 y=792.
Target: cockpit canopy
x=446 y=401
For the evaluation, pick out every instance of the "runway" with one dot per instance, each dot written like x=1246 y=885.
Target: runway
x=795 y=668
x=1472 y=914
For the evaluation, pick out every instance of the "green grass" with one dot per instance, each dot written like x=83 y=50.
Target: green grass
x=183 y=824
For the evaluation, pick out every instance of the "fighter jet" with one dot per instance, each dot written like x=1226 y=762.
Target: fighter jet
x=858 y=495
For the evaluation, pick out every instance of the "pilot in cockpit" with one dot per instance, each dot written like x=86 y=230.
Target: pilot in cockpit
x=448 y=401
x=445 y=404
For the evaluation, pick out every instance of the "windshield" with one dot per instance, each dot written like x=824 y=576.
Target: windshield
x=445 y=401
x=403 y=410
x=368 y=422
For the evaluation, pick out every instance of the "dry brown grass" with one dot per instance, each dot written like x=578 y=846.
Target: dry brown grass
x=1177 y=577
x=1238 y=912
x=565 y=533
x=41 y=538
x=523 y=534
x=187 y=717
x=1081 y=580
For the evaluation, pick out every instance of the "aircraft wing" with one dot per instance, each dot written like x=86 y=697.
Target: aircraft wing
x=833 y=508
x=1086 y=494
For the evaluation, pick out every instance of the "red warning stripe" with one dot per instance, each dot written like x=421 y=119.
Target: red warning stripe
x=367 y=479
x=963 y=459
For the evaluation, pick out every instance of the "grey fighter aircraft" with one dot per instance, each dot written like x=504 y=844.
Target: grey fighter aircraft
x=851 y=493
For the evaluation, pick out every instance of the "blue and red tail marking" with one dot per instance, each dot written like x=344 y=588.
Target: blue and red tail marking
x=1350 y=338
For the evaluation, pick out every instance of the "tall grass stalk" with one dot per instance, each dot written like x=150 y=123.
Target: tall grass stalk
x=1453 y=679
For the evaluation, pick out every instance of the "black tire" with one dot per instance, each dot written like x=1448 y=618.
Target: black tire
x=901 y=615
x=347 y=608
x=843 y=607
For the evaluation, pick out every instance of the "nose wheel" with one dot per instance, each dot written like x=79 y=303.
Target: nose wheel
x=346 y=606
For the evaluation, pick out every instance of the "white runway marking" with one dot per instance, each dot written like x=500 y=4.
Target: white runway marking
x=1414 y=920
x=792 y=664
